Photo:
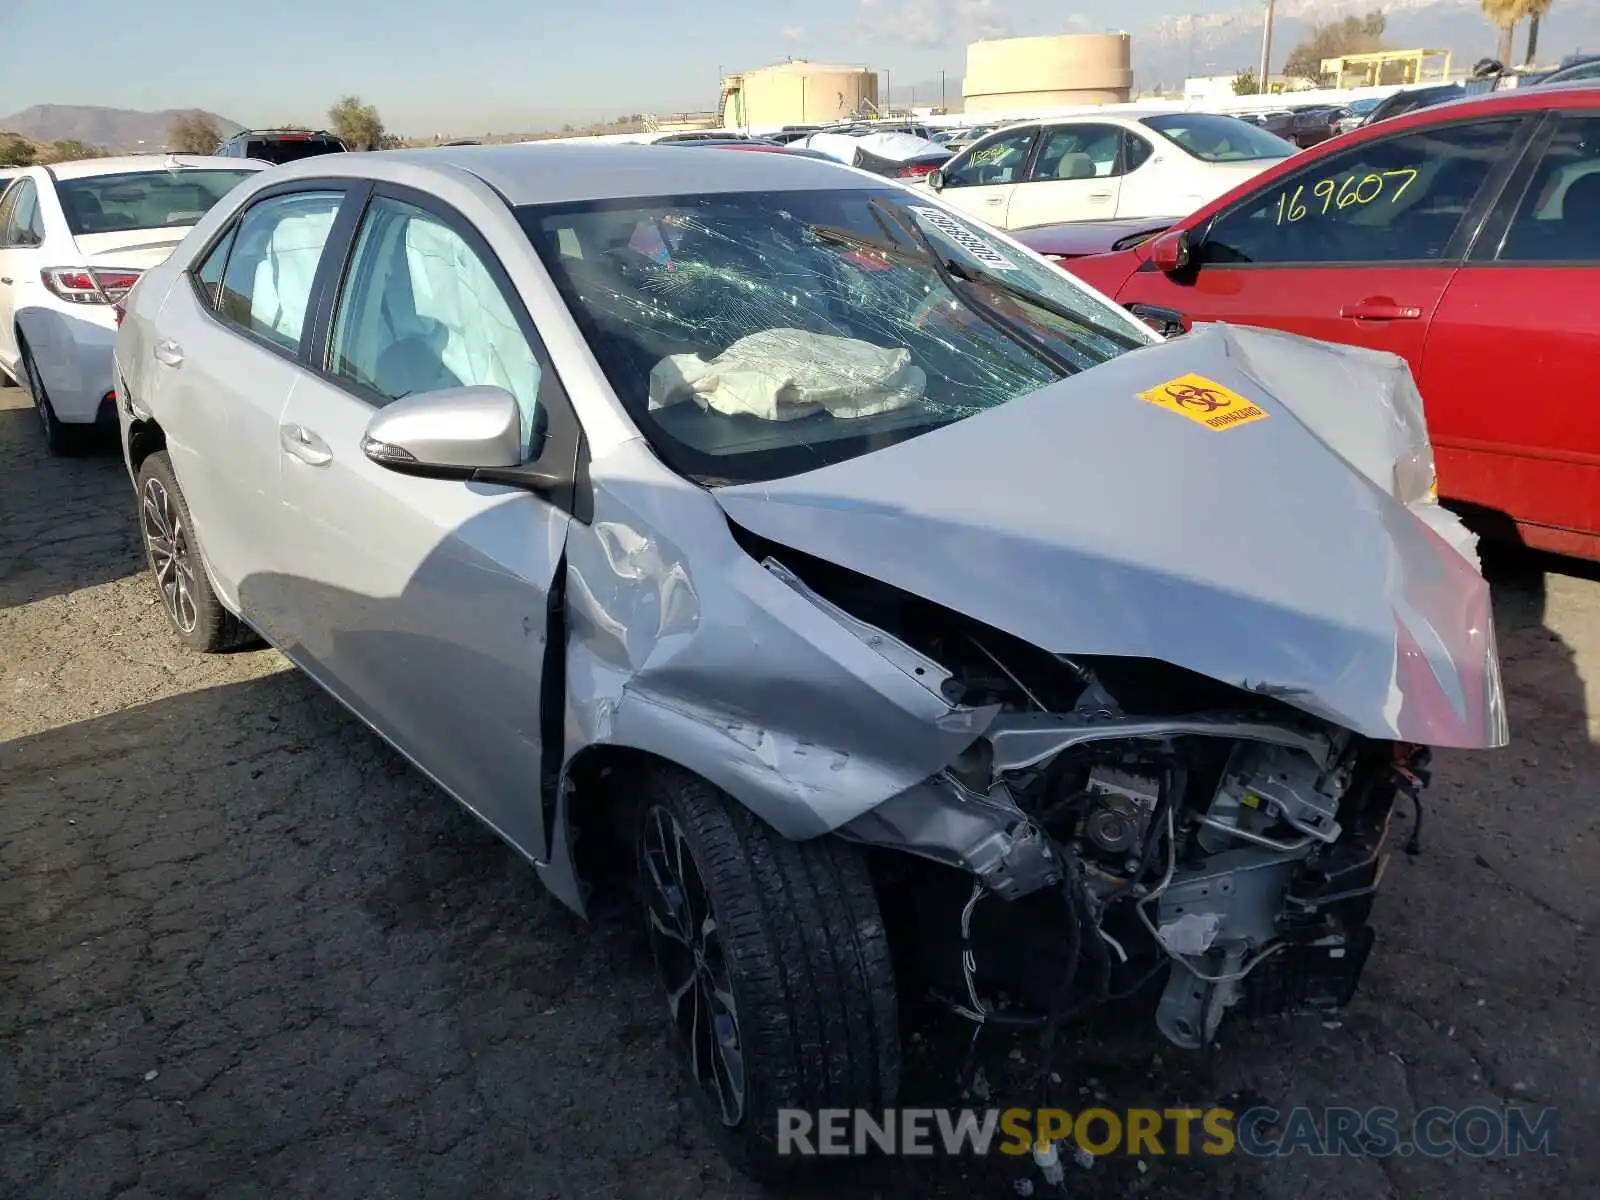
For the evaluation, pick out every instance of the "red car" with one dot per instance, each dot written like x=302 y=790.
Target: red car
x=1465 y=238
x=1078 y=239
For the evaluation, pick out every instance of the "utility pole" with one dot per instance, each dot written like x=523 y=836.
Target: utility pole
x=1266 y=49
x=888 y=94
x=942 y=102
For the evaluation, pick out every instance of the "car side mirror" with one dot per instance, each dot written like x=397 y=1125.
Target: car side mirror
x=936 y=179
x=448 y=434
x=1170 y=251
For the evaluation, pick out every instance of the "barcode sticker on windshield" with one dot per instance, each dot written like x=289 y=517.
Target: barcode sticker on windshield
x=969 y=241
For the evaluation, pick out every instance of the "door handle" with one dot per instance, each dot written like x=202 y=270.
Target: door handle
x=304 y=445
x=1099 y=195
x=1381 y=308
x=169 y=353
x=5 y=279
x=995 y=200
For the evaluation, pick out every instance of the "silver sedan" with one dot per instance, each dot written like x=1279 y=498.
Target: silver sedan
x=912 y=619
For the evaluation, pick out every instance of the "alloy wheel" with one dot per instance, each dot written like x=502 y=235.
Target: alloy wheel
x=693 y=965
x=167 y=540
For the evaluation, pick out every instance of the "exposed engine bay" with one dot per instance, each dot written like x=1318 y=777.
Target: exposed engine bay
x=1123 y=815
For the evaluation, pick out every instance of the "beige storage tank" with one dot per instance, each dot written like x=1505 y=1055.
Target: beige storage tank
x=797 y=93
x=1048 y=72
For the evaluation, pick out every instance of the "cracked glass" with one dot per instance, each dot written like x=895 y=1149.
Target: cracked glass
x=757 y=335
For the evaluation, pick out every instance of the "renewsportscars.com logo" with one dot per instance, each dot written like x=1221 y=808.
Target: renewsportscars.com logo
x=1260 y=1132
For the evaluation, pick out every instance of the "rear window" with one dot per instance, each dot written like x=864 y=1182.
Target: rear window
x=143 y=199
x=1218 y=139
x=283 y=150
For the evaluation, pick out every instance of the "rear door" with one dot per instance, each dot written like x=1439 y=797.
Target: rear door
x=1076 y=175
x=226 y=353
x=981 y=179
x=1356 y=247
x=423 y=603
x=1509 y=373
x=21 y=256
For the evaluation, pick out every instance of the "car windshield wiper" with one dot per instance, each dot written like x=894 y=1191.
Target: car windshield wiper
x=966 y=273
x=1012 y=330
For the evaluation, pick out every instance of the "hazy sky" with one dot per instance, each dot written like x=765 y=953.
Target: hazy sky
x=470 y=66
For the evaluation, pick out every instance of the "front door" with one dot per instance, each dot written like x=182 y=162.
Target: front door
x=423 y=603
x=981 y=179
x=232 y=332
x=1356 y=247
x=1075 y=176
x=1509 y=370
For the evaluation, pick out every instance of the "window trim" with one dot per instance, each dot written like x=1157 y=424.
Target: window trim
x=559 y=473
x=353 y=192
x=1461 y=242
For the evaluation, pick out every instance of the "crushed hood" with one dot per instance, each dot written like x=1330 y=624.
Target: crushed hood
x=1087 y=520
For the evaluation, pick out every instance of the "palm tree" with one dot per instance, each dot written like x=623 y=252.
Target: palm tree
x=1536 y=11
x=1504 y=14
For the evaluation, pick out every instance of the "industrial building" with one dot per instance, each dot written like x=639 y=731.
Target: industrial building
x=1048 y=72
x=797 y=92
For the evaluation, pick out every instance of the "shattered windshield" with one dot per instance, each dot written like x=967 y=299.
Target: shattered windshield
x=759 y=335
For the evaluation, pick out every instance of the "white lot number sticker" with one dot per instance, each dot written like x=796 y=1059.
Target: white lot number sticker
x=965 y=238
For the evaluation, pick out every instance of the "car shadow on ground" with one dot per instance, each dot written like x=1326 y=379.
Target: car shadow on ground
x=243 y=945
x=66 y=523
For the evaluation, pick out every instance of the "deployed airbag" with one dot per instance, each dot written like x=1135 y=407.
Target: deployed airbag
x=784 y=374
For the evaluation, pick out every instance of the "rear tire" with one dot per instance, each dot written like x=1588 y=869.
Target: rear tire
x=198 y=618
x=780 y=961
x=59 y=439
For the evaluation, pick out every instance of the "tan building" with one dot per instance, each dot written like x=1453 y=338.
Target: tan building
x=1048 y=72
x=797 y=93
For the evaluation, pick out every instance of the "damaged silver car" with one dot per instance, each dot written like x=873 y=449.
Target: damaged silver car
x=909 y=620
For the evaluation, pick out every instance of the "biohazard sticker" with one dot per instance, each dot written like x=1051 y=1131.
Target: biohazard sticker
x=973 y=243
x=1204 y=402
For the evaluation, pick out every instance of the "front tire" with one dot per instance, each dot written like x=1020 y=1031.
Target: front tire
x=198 y=618
x=776 y=964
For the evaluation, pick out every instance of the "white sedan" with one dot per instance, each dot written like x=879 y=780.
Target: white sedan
x=1128 y=164
x=74 y=237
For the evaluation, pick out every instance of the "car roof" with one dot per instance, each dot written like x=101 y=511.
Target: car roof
x=563 y=172
x=1578 y=94
x=85 y=168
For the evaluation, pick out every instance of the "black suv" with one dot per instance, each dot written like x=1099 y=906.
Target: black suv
x=280 y=145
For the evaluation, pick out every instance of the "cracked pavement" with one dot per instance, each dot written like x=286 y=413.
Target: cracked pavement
x=245 y=950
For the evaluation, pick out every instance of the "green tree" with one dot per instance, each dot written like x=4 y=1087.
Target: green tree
x=193 y=133
x=70 y=150
x=1332 y=39
x=356 y=124
x=16 y=151
x=1245 y=83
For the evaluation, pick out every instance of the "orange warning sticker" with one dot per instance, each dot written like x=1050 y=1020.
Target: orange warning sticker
x=1204 y=402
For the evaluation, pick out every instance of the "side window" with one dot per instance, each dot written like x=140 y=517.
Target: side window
x=8 y=205
x=998 y=159
x=422 y=312
x=266 y=287
x=1397 y=199
x=1078 y=152
x=24 y=225
x=208 y=275
x=1558 y=217
x=1135 y=151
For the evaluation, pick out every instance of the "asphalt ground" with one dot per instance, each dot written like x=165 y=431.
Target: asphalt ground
x=245 y=950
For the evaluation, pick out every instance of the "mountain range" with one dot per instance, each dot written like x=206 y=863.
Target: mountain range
x=107 y=128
